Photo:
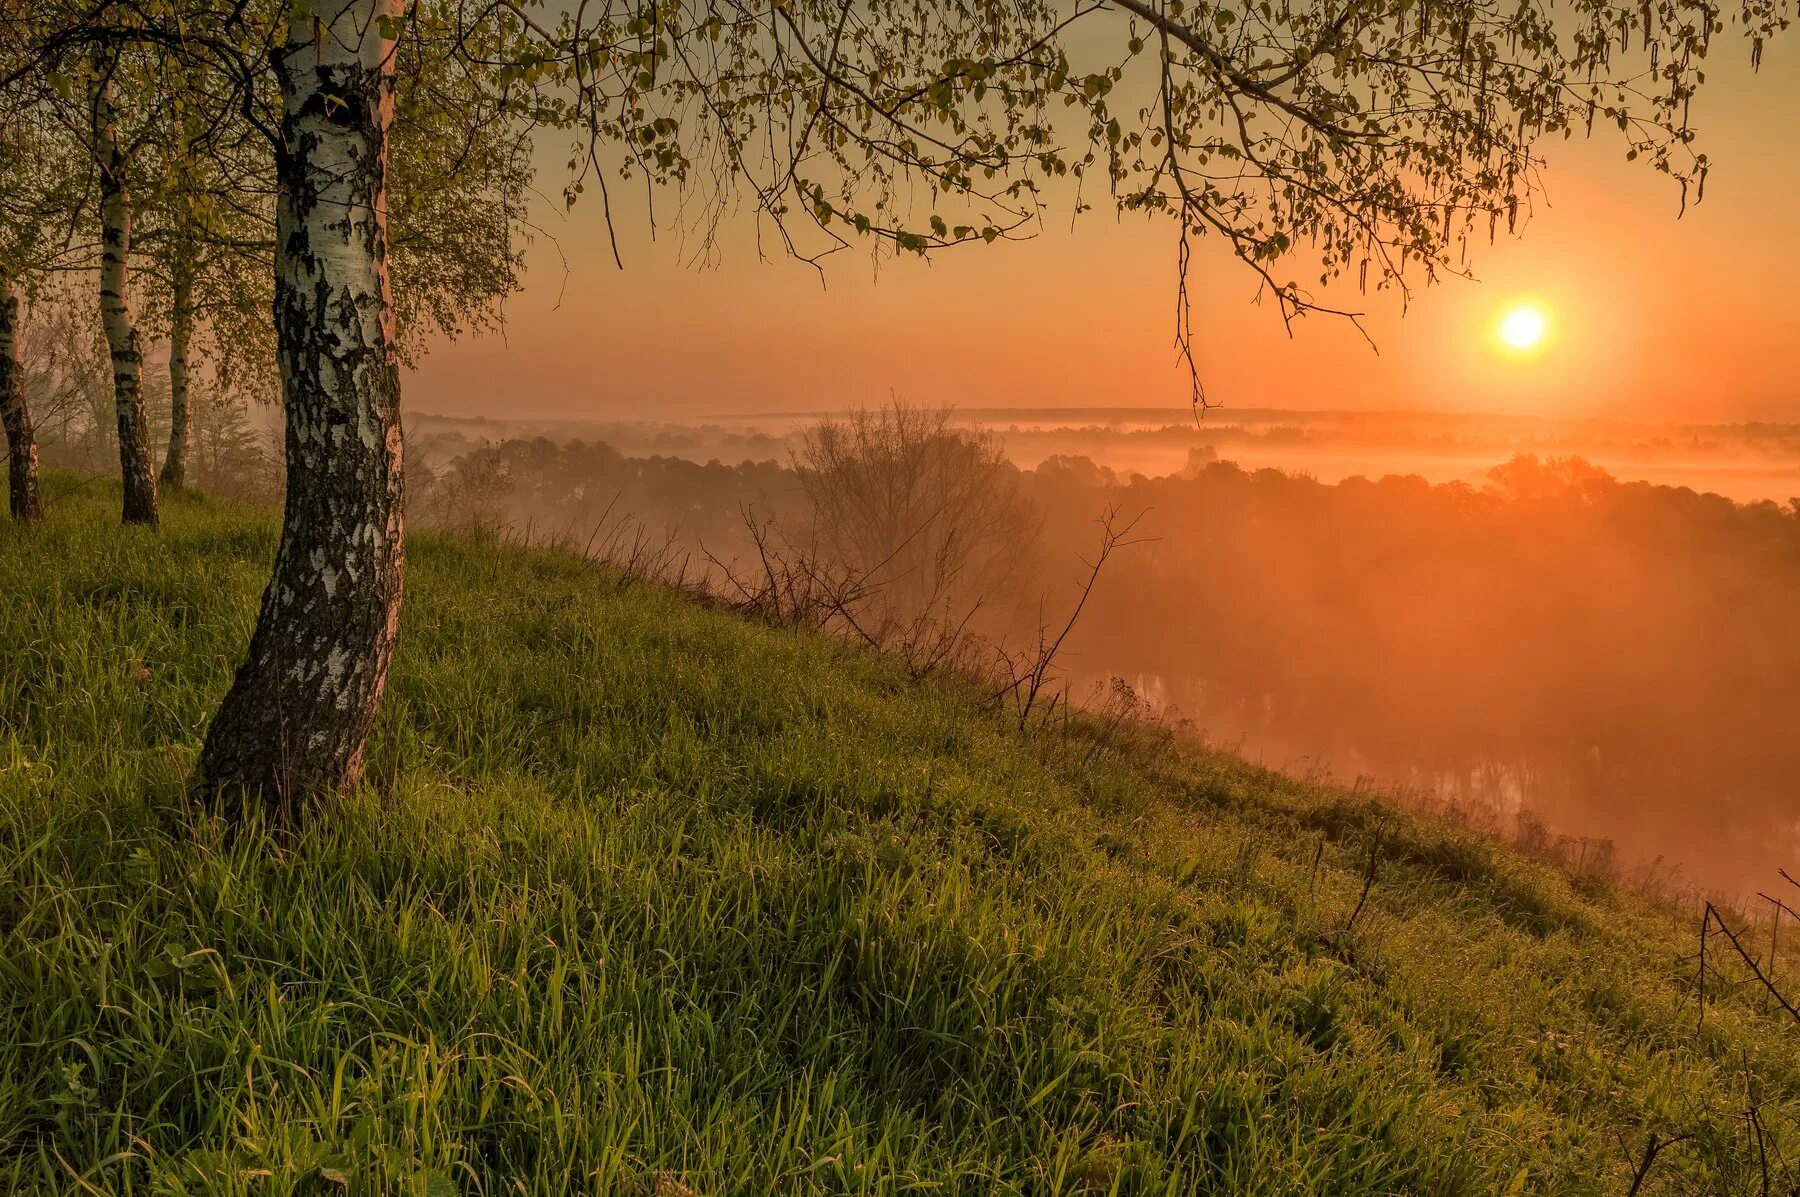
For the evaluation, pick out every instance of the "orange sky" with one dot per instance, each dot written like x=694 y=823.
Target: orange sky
x=1696 y=320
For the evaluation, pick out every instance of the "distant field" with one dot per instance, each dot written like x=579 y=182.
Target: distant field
x=647 y=898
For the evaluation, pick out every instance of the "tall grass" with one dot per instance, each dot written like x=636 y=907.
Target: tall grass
x=644 y=898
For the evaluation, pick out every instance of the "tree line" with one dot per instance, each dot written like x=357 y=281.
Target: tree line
x=1551 y=651
x=312 y=189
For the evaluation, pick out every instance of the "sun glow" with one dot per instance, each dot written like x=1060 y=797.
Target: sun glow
x=1523 y=328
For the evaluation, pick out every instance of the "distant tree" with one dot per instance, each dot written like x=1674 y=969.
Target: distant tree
x=66 y=377
x=40 y=185
x=1373 y=138
x=231 y=454
x=1080 y=470
x=174 y=470
x=115 y=153
x=209 y=209
x=24 y=499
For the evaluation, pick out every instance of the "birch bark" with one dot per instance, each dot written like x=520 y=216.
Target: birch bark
x=136 y=468
x=293 y=726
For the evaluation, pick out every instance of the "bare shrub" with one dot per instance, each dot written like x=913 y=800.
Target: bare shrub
x=788 y=584
x=914 y=537
x=931 y=517
x=1716 y=919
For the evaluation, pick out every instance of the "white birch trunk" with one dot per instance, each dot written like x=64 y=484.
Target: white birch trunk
x=293 y=726
x=135 y=467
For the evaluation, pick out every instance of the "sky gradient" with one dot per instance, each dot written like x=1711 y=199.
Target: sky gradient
x=1695 y=319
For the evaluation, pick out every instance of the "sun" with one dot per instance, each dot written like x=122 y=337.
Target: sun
x=1523 y=328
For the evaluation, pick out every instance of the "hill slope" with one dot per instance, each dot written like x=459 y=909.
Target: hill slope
x=646 y=898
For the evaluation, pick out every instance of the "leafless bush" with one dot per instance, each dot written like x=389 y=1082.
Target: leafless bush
x=930 y=516
x=910 y=532
x=784 y=583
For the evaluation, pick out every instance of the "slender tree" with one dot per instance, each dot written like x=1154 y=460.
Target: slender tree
x=210 y=256
x=181 y=338
x=40 y=189
x=24 y=498
x=21 y=209
x=183 y=256
x=113 y=160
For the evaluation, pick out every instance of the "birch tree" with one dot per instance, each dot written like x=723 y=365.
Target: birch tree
x=300 y=709
x=79 y=90
x=113 y=159
x=183 y=258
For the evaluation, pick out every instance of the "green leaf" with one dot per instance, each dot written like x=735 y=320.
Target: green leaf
x=432 y=1182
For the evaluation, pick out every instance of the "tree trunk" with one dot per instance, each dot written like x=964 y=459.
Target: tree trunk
x=293 y=726
x=135 y=464
x=181 y=331
x=21 y=443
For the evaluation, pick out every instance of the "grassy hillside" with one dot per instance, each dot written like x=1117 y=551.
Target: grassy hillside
x=648 y=899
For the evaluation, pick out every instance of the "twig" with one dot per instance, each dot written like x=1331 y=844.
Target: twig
x=1754 y=1115
x=1651 y=1150
x=1700 y=974
x=1713 y=915
x=1368 y=880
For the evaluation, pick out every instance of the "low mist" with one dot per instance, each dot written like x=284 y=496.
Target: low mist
x=1598 y=668
x=1615 y=660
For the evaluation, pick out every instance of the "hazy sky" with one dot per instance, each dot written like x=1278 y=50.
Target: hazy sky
x=1696 y=319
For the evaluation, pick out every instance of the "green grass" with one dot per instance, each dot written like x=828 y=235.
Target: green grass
x=644 y=898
